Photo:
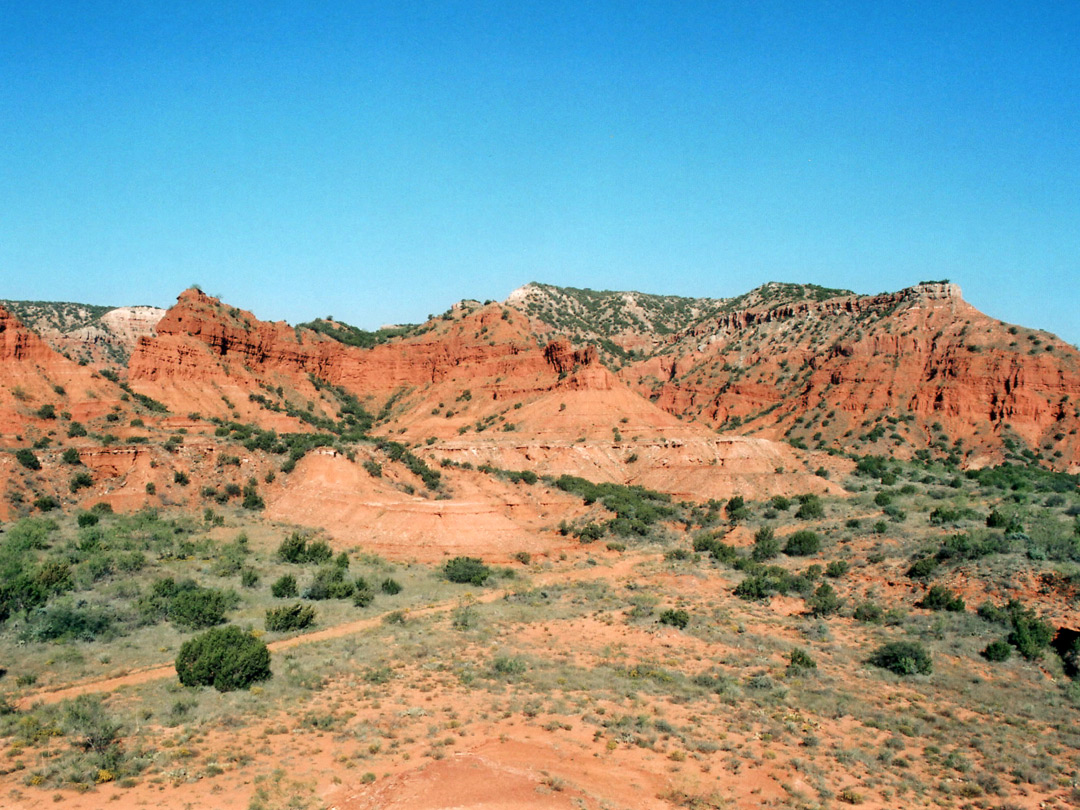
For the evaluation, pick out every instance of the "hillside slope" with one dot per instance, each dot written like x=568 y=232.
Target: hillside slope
x=919 y=372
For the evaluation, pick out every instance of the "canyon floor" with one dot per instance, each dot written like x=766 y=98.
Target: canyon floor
x=621 y=673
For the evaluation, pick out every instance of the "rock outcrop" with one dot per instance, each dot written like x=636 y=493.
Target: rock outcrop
x=904 y=373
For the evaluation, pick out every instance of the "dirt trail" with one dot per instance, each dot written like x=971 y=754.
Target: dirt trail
x=621 y=567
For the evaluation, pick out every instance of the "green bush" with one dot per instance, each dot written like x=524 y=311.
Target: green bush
x=736 y=509
x=186 y=604
x=296 y=549
x=466 y=570
x=837 y=568
x=81 y=480
x=869 y=612
x=780 y=503
x=27 y=458
x=923 y=568
x=941 y=598
x=810 y=508
x=68 y=622
x=46 y=503
x=226 y=658
x=284 y=587
x=329 y=583
x=390 y=586
x=363 y=595
x=198 y=608
x=70 y=456
x=289 y=617
x=903 y=658
x=800 y=661
x=1030 y=635
x=754 y=587
x=802 y=544
x=999 y=650
x=293 y=549
x=675 y=618
x=824 y=602
x=766 y=545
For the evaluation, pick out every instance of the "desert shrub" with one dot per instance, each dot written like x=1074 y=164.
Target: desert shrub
x=802 y=543
x=824 y=602
x=329 y=583
x=736 y=509
x=69 y=622
x=296 y=549
x=46 y=503
x=249 y=577
x=999 y=650
x=252 y=499
x=766 y=545
x=284 y=587
x=363 y=595
x=226 y=658
x=231 y=557
x=27 y=458
x=293 y=549
x=180 y=477
x=675 y=618
x=923 y=568
x=1030 y=635
x=941 y=598
x=466 y=570
x=508 y=666
x=780 y=503
x=319 y=551
x=837 y=568
x=903 y=658
x=717 y=549
x=198 y=608
x=70 y=456
x=810 y=508
x=87 y=519
x=974 y=546
x=289 y=617
x=390 y=586
x=754 y=587
x=81 y=480
x=869 y=612
x=84 y=718
x=186 y=604
x=76 y=430
x=895 y=513
x=800 y=661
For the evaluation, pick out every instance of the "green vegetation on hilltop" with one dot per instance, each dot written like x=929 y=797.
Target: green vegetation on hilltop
x=354 y=336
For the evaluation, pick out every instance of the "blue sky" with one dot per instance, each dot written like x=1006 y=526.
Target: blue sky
x=377 y=162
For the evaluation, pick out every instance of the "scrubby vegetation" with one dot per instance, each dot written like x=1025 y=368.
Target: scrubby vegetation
x=225 y=658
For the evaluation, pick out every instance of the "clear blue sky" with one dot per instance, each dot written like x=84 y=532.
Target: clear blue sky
x=377 y=162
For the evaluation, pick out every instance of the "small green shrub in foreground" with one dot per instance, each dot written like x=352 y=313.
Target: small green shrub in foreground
x=226 y=658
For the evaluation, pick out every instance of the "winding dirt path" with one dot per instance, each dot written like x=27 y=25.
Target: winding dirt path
x=622 y=567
